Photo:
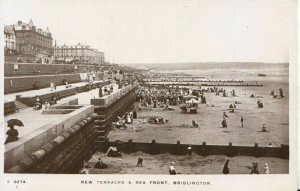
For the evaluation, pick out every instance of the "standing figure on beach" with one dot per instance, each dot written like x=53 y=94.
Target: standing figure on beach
x=267 y=169
x=242 y=121
x=189 y=151
x=224 y=123
x=226 y=168
x=172 y=169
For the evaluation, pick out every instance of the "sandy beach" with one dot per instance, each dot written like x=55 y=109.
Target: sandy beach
x=275 y=114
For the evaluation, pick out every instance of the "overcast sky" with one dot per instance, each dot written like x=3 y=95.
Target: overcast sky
x=140 y=31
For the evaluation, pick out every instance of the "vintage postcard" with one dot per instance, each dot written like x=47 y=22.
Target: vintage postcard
x=151 y=95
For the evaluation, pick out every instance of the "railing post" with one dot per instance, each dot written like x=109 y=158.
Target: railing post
x=204 y=150
x=230 y=151
x=256 y=150
x=129 y=146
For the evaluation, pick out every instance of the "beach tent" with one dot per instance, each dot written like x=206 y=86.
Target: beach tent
x=190 y=97
x=192 y=101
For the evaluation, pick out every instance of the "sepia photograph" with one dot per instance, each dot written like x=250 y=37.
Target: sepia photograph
x=102 y=94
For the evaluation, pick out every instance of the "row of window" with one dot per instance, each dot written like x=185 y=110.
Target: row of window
x=77 y=53
x=10 y=36
x=30 y=48
x=10 y=44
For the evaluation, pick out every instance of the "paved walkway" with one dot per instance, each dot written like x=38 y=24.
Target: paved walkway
x=12 y=97
x=33 y=119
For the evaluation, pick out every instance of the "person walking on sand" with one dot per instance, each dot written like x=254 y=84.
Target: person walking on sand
x=242 y=121
x=172 y=169
x=226 y=168
x=224 y=123
x=189 y=151
x=267 y=169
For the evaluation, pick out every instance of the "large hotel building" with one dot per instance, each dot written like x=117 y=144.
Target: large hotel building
x=31 y=43
x=78 y=54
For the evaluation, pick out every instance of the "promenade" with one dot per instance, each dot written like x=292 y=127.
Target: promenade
x=35 y=117
x=12 y=97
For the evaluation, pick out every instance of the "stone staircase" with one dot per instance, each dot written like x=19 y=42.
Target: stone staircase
x=21 y=106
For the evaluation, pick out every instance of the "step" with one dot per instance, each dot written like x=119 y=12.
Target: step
x=21 y=106
x=100 y=132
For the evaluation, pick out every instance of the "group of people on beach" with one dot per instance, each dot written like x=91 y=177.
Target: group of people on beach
x=254 y=168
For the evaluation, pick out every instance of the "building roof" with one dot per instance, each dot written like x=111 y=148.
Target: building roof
x=47 y=30
x=8 y=29
x=30 y=26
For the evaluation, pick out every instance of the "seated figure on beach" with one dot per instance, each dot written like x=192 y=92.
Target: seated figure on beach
x=194 y=123
x=260 y=103
x=254 y=169
x=113 y=152
x=225 y=114
x=231 y=108
x=100 y=165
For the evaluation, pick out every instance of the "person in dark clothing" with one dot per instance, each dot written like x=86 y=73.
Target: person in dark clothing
x=100 y=92
x=281 y=93
x=224 y=114
x=194 y=124
x=154 y=103
x=140 y=162
x=134 y=114
x=242 y=121
x=254 y=169
x=12 y=135
x=224 y=123
x=226 y=168
x=100 y=165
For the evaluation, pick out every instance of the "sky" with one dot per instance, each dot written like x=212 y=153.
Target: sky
x=166 y=31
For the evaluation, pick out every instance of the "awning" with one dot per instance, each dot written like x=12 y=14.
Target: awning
x=192 y=101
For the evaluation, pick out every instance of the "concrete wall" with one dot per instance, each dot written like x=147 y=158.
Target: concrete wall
x=17 y=84
x=17 y=151
x=107 y=100
x=31 y=68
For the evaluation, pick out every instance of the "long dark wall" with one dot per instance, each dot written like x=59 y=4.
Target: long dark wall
x=35 y=69
x=204 y=150
x=17 y=84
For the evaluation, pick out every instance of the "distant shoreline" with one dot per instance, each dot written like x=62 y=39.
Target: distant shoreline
x=210 y=65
